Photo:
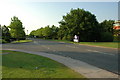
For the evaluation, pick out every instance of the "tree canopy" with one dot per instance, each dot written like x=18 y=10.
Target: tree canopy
x=107 y=31
x=5 y=33
x=16 y=28
x=47 y=32
x=79 y=22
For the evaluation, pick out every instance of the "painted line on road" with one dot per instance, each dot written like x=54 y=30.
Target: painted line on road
x=71 y=46
x=51 y=49
x=99 y=52
x=45 y=47
x=54 y=50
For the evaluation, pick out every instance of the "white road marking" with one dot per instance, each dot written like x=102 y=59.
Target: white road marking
x=71 y=46
x=99 y=52
x=48 y=48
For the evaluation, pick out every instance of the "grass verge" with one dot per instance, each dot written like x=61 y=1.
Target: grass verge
x=102 y=44
x=22 y=41
x=23 y=65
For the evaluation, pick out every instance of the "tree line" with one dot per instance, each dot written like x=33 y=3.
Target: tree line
x=14 y=31
x=77 y=22
x=81 y=23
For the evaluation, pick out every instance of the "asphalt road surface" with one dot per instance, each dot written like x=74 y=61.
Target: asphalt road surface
x=104 y=58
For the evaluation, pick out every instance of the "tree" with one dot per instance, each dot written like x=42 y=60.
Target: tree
x=47 y=32
x=16 y=29
x=54 y=32
x=79 y=22
x=39 y=32
x=107 y=31
x=5 y=33
x=32 y=33
x=107 y=25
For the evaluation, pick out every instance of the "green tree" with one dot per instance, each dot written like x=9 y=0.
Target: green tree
x=5 y=33
x=47 y=32
x=54 y=32
x=32 y=33
x=79 y=22
x=107 y=25
x=107 y=31
x=39 y=32
x=16 y=29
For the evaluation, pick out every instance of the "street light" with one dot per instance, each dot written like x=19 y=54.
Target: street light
x=27 y=32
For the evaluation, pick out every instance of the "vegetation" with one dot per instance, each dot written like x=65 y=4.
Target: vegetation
x=22 y=65
x=22 y=41
x=107 y=32
x=103 y=44
x=77 y=22
x=46 y=33
x=5 y=34
x=16 y=29
x=81 y=23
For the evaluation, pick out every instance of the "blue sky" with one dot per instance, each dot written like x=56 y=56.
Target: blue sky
x=35 y=14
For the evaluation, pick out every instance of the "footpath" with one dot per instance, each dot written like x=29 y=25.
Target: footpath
x=83 y=68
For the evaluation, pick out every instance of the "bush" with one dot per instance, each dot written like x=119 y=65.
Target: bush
x=106 y=37
x=69 y=37
x=64 y=38
x=3 y=41
x=116 y=38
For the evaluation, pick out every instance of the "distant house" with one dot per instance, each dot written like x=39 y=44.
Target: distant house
x=116 y=26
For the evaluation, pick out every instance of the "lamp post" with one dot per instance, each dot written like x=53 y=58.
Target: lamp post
x=27 y=34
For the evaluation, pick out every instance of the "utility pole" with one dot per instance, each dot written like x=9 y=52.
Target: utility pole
x=27 y=34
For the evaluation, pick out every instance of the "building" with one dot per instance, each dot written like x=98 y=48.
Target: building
x=116 y=26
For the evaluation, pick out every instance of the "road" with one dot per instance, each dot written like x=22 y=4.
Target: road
x=104 y=58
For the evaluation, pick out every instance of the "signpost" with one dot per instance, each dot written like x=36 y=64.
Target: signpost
x=76 y=38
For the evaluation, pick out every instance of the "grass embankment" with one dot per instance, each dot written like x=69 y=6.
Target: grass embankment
x=23 y=65
x=102 y=44
x=22 y=41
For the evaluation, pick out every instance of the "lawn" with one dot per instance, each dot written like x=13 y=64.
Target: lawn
x=24 y=65
x=21 y=41
x=102 y=44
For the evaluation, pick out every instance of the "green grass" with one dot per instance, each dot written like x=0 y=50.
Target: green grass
x=23 y=65
x=21 y=41
x=102 y=44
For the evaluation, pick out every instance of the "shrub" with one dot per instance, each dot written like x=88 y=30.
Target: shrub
x=106 y=37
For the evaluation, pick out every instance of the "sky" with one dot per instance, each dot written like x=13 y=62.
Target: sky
x=35 y=14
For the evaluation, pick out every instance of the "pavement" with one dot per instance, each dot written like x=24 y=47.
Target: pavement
x=92 y=62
